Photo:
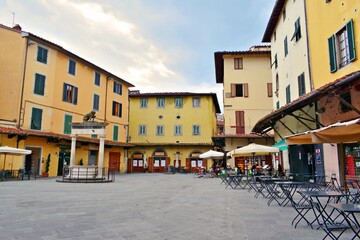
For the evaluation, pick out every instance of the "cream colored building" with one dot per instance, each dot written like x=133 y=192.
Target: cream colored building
x=171 y=129
x=44 y=88
x=248 y=93
x=328 y=33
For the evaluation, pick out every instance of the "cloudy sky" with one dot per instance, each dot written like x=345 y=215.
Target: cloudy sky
x=157 y=45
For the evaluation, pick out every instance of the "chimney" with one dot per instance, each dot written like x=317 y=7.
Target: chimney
x=17 y=27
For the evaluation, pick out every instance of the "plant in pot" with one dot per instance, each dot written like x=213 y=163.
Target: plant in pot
x=47 y=166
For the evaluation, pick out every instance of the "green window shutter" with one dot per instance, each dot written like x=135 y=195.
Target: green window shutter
x=67 y=124
x=351 y=39
x=36 y=119
x=39 y=84
x=116 y=133
x=332 y=54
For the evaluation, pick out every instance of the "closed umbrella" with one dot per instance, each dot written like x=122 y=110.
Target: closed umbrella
x=12 y=151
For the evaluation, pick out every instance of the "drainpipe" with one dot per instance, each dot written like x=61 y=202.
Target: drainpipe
x=28 y=43
x=106 y=92
x=312 y=87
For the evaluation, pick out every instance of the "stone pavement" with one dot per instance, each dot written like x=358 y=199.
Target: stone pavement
x=142 y=206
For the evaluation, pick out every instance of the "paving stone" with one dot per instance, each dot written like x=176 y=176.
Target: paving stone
x=141 y=207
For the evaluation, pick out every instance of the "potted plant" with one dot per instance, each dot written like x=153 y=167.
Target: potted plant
x=47 y=166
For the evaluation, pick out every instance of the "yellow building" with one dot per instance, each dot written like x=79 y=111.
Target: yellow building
x=334 y=31
x=329 y=40
x=44 y=88
x=248 y=93
x=171 y=129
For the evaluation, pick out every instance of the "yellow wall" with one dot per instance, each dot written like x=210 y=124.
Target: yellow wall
x=11 y=72
x=13 y=48
x=204 y=116
x=324 y=20
x=257 y=73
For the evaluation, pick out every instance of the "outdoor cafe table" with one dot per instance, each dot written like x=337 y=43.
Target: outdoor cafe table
x=350 y=213
x=234 y=181
x=289 y=188
x=272 y=189
x=316 y=195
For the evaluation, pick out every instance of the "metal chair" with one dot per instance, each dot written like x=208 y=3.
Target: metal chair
x=326 y=223
x=301 y=208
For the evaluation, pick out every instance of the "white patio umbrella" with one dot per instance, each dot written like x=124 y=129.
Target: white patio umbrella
x=212 y=154
x=253 y=149
x=12 y=151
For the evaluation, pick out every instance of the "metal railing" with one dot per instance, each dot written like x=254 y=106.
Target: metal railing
x=87 y=174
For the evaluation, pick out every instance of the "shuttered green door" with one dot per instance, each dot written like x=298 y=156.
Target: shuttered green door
x=67 y=124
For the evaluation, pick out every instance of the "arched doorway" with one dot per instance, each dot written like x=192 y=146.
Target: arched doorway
x=158 y=161
x=136 y=163
x=193 y=162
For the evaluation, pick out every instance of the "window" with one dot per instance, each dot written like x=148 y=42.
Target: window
x=36 y=119
x=301 y=84
x=274 y=36
x=342 y=47
x=96 y=101
x=288 y=96
x=142 y=130
x=160 y=130
x=240 y=122
x=297 y=33
x=72 y=67
x=70 y=94
x=143 y=102
x=42 y=54
x=196 y=102
x=343 y=107
x=161 y=102
x=269 y=89
x=117 y=88
x=178 y=102
x=239 y=90
x=277 y=105
x=277 y=85
x=39 y=85
x=285 y=46
x=284 y=15
x=97 y=79
x=115 y=133
x=238 y=63
x=178 y=130
x=116 y=109
x=275 y=61
x=67 y=124
x=196 y=129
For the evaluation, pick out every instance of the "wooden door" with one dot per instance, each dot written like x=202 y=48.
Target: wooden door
x=114 y=160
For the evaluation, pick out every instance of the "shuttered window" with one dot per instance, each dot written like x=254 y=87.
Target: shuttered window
x=39 y=85
x=238 y=63
x=239 y=90
x=42 y=55
x=288 y=94
x=116 y=133
x=341 y=47
x=70 y=94
x=36 y=119
x=301 y=84
x=240 y=122
x=96 y=102
x=67 y=124
x=269 y=89
x=116 y=109
x=72 y=67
